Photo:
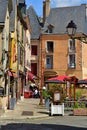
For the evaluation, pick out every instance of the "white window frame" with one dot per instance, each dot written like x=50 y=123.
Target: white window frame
x=72 y=64
x=71 y=47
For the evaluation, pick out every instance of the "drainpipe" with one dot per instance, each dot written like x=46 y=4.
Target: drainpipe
x=41 y=85
x=18 y=58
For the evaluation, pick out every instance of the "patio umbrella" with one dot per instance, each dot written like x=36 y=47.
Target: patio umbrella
x=83 y=81
x=63 y=78
x=60 y=78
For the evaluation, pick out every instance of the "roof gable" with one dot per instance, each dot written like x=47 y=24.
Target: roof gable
x=4 y=5
x=34 y=23
x=60 y=17
x=3 y=8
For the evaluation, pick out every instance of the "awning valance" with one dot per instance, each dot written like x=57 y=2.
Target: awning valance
x=31 y=76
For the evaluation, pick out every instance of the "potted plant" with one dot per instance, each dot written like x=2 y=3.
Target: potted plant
x=79 y=107
x=57 y=95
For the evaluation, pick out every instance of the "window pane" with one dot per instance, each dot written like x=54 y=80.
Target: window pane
x=50 y=46
x=33 y=50
x=34 y=68
x=72 y=60
x=72 y=44
x=49 y=62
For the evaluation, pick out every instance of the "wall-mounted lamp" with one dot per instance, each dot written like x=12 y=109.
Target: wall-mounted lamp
x=71 y=31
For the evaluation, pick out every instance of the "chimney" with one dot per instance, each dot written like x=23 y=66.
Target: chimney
x=46 y=9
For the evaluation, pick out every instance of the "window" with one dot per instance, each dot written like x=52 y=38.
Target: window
x=21 y=56
x=71 y=45
x=49 y=62
x=72 y=61
x=50 y=28
x=50 y=46
x=34 y=68
x=33 y=50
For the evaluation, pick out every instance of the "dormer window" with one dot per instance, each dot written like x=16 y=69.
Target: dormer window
x=50 y=28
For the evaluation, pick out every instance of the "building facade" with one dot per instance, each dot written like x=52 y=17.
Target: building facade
x=61 y=54
x=15 y=52
x=36 y=26
x=4 y=53
x=57 y=53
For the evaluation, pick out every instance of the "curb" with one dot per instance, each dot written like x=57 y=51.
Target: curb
x=23 y=117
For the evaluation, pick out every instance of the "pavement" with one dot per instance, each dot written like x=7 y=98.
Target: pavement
x=26 y=108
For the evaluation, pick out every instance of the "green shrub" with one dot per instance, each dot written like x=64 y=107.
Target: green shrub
x=78 y=94
x=82 y=105
x=76 y=105
x=79 y=106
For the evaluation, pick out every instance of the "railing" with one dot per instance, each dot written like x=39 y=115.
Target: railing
x=69 y=105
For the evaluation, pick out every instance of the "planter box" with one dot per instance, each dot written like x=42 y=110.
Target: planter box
x=80 y=111
x=57 y=109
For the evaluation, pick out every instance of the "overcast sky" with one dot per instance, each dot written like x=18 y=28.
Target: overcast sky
x=38 y=4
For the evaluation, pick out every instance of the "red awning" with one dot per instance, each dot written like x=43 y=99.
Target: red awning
x=31 y=76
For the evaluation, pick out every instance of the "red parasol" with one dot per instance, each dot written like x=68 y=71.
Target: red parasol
x=61 y=78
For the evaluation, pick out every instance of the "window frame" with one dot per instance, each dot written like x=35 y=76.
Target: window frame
x=72 y=45
x=50 y=64
x=72 y=63
x=49 y=46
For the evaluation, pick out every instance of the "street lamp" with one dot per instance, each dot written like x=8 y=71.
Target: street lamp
x=71 y=31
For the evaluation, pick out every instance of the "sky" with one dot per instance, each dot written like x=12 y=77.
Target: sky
x=38 y=4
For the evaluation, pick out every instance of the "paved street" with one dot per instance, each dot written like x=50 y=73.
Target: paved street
x=47 y=123
x=36 y=117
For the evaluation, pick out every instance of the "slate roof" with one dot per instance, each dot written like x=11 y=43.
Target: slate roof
x=12 y=17
x=3 y=10
x=34 y=23
x=61 y=16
